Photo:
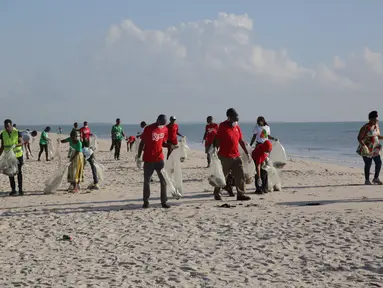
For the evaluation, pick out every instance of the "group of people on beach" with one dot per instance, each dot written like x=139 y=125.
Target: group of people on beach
x=224 y=138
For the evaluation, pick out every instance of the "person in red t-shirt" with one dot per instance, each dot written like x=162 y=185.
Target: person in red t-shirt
x=153 y=138
x=129 y=142
x=85 y=134
x=172 y=134
x=259 y=155
x=228 y=139
x=211 y=131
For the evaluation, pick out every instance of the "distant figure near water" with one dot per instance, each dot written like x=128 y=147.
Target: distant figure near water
x=117 y=134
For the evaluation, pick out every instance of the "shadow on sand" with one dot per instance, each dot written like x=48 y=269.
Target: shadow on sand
x=327 y=202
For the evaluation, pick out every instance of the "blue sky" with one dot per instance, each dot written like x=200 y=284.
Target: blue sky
x=331 y=27
x=34 y=33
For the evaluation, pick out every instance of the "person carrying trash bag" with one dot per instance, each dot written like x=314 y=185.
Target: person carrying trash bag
x=228 y=139
x=11 y=138
x=154 y=137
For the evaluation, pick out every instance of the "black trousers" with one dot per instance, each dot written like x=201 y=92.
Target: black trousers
x=12 y=181
x=116 y=144
x=44 y=147
x=93 y=167
x=367 y=166
x=149 y=168
x=264 y=178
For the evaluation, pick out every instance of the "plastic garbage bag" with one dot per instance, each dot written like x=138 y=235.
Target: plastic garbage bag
x=248 y=165
x=170 y=189
x=100 y=171
x=53 y=183
x=8 y=163
x=53 y=151
x=173 y=170
x=57 y=152
x=184 y=148
x=216 y=177
x=93 y=144
x=278 y=155
x=274 y=181
x=139 y=162
x=135 y=146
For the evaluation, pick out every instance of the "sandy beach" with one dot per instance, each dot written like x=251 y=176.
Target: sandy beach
x=274 y=240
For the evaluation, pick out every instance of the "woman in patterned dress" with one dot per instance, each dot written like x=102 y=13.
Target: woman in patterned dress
x=369 y=147
x=76 y=166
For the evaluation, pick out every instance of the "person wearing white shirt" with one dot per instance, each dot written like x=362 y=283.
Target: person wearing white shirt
x=261 y=132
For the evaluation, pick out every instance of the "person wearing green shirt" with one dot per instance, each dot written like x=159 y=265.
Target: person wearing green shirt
x=76 y=166
x=77 y=131
x=44 y=139
x=118 y=135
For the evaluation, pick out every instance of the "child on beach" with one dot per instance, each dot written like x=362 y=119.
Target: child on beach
x=259 y=155
x=129 y=143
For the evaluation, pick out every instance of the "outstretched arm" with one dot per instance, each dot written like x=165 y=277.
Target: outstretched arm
x=253 y=139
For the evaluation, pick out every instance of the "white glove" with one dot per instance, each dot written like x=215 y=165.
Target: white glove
x=259 y=182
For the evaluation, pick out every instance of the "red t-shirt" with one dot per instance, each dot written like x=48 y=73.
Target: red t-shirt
x=131 y=139
x=211 y=131
x=85 y=133
x=172 y=133
x=229 y=138
x=260 y=153
x=153 y=138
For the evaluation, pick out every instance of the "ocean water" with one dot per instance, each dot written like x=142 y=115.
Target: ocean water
x=329 y=142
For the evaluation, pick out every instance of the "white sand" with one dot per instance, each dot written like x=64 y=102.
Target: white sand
x=267 y=242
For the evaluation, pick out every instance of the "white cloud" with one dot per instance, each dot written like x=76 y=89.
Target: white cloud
x=338 y=63
x=199 y=68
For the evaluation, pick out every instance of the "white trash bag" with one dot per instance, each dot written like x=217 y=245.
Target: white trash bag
x=51 y=150
x=169 y=186
x=93 y=142
x=9 y=163
x=174 y=172
x=184 y=148
x=139 y=162
x=53 y=183
x=216 y=177
x=100 y=171
x=274 y=181
x=248 y=165
x=278 y=155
